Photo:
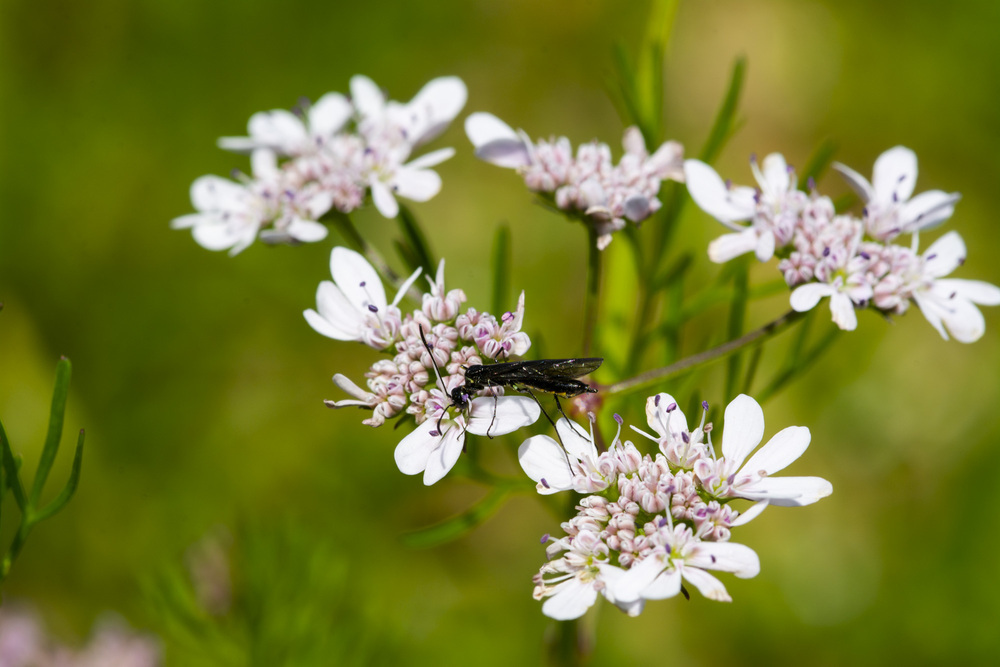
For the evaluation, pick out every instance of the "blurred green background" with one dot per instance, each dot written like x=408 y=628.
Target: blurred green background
x=200 y=384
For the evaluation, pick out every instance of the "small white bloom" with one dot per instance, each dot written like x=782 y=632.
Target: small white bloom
x=496 y=142
x=353 y=306
x=577 y=467
x=683 y=556
x=434 y=446
x=889 y=209
x=949 y=304
x=287 y=134
x=729 y=477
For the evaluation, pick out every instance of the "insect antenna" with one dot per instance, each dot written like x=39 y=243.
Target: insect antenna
x=437 y=372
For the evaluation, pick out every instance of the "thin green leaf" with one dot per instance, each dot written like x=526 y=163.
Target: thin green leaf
x=11 y=468
x=411 y=259
x=56 y=414
x=414 y=235
x=456 y=526
x=818 y=162
x=752 y=369
x=724 y=120
x=67 y=493
x=501 y=269
x=789 y=374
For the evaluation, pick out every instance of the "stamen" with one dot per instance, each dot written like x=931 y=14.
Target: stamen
x=685 y=437
x=704 y=406
x=373 y=308
x=544 y=483
x=671 y=407
x=656 y=400
x=434 y=433
x=618 y=418
x=545 y=538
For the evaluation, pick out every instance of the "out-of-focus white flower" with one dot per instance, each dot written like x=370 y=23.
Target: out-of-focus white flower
x=949 y=303
x=606 y=194
x=353 y=306
x=773 y=210
x=288 y=134
x=421 y=119
x=729 y=477
x=433 y=447
x=889 y=209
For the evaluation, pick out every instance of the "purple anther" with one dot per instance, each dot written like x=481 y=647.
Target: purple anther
x=372 y=307
x=811 y=183
x=361 y=284
x=544 y=483
x=931 y=256
x=713 y=558
x=753 y=158
x=618 y=418
x=656 y=400
x=731 y=478
x=671 y=407
x=434 y=434
x=507 y=317
x=865 y=255
x=662 y=522
x=864 y=211
x=685 y=437
x=826 y=251
x=545 y=538
x=729 y=184
x=704 y=405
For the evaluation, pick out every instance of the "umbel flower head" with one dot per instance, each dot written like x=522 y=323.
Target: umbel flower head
x=852 y=261
x=437 y=337
x=324 y=157
x=590 y=185
x=646 y=524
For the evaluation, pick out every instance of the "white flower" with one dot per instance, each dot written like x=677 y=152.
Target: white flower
x=230 y=215
x=421 y=119
x=889 y=210
x=496 y=142
x=387 y=177
x=684 y=556
x=287 y=134
x=435 y=445
x=730 y=477
x=577 y=467
x=681 y=447
x=843 y=293
x=950 y=303
x=353 y=306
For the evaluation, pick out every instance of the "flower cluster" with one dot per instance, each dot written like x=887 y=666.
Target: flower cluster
x=24 y=643
x=439 y=337
x=334 y=152
x=591 y=185
x=849 y=259
x=648 y=523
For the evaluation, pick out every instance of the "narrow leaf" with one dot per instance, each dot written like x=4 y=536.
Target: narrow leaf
x=67 y=493
x=724 y=120
x=456 y=526
x=501 y=269
x=58 y=411
x=818 y=162
x=415 y=237
x=11 y=468
x=737 y=316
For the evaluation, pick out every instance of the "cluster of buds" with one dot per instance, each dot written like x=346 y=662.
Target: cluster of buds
x=647 y=524
x=852 y=260
x=591 y=185
x=24 y=642
x=437 y=338
x=324 y=157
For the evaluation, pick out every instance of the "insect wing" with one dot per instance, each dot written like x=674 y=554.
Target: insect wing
x=561 y=386
x=565 y=368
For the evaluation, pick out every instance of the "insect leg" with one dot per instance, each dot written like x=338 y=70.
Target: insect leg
x=565 y=453
x=573 y=425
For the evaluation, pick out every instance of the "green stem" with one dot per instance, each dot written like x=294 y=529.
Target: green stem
x=592 y=300
x=353 y=238
x=708 y=356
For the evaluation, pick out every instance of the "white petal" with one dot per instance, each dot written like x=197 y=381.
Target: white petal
x=483 y=128
x=895 y=175
x=765 y=246
x=383 y=199
x=431 y=159
x=776 y=176
x=706 y=584
x=788 y=491
x=976 y=291
x=964 y=321
x=279 y=129
x=436 y=105
x=337 y=318
x=212 y=193
x=932 y=310
x=264 y=163
x=221 y=236
x=307 y=231
x=541 y=457
x=406 y=285
x=805 y=297
x=413 y=451
x=444 y=458
x=508 y=153
x=842 y=309
x=356 y=279
x=189 y=220
x=346 y=385
x=739 y=559
x=857 y=182
x=509 y=414
x=667 y=585
x=633 y=142
x=633 y=583
x=661 y=421
x=572 y=600
x=786 y=446
x=416 y=184
x=237 y=144
x=944 y=255
x=711 y=194
x=366 y=96
x=927 y=210
x=325 y=327
x=577 y=443
x=329 y=114
x=728 y=246
x=742 y=429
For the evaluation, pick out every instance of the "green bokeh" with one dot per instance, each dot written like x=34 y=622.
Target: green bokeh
x=199 y=383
